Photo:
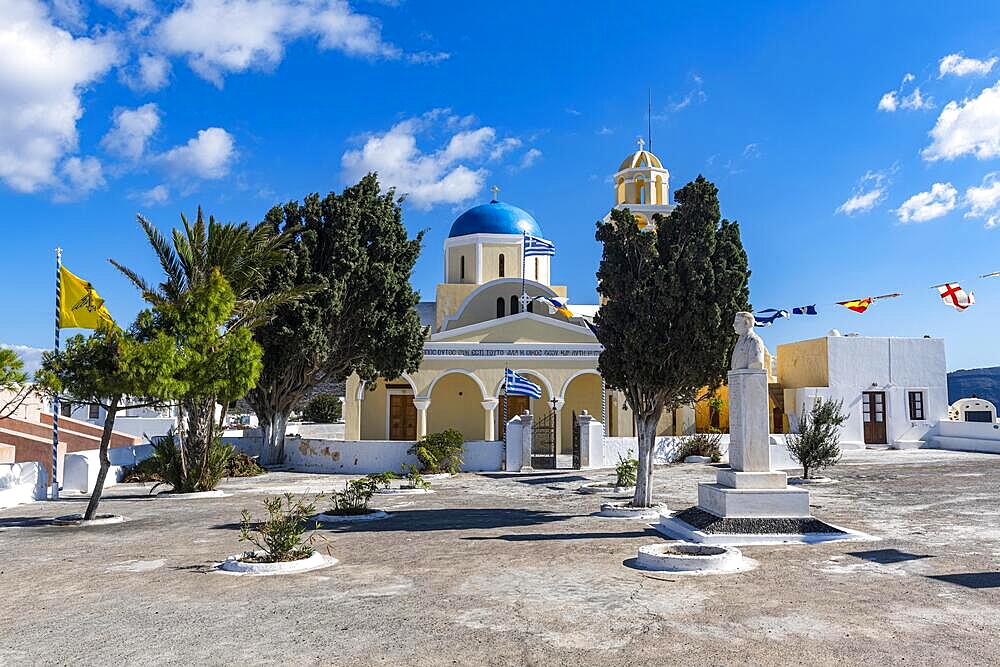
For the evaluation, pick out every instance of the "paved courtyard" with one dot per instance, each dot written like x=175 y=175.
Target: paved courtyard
x=497 y=570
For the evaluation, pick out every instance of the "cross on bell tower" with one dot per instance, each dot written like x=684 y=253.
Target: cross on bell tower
x=641 y=142
x=496 y=192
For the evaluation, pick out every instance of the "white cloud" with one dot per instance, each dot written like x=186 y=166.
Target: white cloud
x=958 y=65
x=870 y=191
x=155 y=196
x=969 y=127
x=427 y=57
x=450 y=174
x=152 y=72
x=983 y=201
x=79 y=177
x=123 y=6
x=131 y=131
x=889 y=102
x=529 y=158
x=208 y=155
x=605 y=130
x=915 y=101
x=573 y=112
x=924 y=206
x=751 y=151
x=70 y=12
x=42 y=72
x=31 y=356
x=223 y=36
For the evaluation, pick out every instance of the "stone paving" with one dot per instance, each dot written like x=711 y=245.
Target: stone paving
x=500 y=569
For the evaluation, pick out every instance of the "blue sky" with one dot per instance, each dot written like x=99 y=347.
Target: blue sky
x=856 y=143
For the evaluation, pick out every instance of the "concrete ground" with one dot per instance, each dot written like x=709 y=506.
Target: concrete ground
x=506 y=570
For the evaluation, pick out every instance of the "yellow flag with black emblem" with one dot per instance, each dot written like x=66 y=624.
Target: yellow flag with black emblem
x=80 y=307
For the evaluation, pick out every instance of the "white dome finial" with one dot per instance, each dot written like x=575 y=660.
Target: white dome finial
x=496 y=192
x=641 y=142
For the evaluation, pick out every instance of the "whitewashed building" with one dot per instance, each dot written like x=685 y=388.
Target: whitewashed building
x=894 y=389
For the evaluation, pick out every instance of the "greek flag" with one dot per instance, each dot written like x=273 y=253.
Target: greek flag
x=519 y=386
x=766 y=317
x=805 y=310
x=534 y=246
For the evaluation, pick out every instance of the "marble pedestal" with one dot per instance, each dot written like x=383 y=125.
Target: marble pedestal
x=749 y=488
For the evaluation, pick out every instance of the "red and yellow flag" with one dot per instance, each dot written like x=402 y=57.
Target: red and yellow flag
x=857 y=305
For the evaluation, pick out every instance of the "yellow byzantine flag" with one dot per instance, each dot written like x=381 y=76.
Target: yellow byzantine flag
x=80 y=306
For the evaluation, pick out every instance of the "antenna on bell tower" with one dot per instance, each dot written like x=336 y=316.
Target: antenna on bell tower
x=496 y=192
x=649 y=119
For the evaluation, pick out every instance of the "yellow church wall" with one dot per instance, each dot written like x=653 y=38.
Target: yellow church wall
x=449 y=297
x=491 y=261
x=804 y=364
x=374 y=413
x=525 y=330
x=456 y=404
x=583 y=393
x=455 y=254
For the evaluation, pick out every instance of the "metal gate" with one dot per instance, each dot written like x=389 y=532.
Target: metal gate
x=543 y=442
x=576 y=442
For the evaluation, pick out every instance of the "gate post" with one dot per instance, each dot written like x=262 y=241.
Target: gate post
x=591 y=434
x=526 y=440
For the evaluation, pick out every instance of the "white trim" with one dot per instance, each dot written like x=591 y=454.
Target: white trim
x=523 y=315
x=467 y=239
x=924 y=391
x=474 y=293
x=360 y=395
x=585 y=371
x=479 y=262
x=475 y=378
x=507 y=351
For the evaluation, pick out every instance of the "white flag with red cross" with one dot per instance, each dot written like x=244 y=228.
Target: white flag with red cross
x=953 y=295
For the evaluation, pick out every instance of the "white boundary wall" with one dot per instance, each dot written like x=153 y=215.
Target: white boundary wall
x=22 y=483
x=368 y=456
x=967 y=436
x=80 y=468
x=666 y=446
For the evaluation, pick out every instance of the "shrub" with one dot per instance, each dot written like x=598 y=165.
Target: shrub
x=243 y=465
x=383 y=480
x=323 y=409
x=626 y=470
x=817 y=444
x=439 y=452
x=413 y=477
x=700 y=444
x=280 y=537
x=167 y=466
x=356 y=495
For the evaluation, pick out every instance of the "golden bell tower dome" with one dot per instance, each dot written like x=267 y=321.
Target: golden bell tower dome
x=642 y=185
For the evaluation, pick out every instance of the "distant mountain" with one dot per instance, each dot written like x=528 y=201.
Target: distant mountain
x=980 y=382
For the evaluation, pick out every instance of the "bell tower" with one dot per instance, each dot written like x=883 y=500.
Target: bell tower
x=642 y=185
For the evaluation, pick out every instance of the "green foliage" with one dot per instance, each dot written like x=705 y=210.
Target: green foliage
x=716 y=403
x=323 y=409
x=439 y=452
x=147 y=470
x=361 y=319
x=199 y=475
x=383 y=480
x=625 y=471
x=413 y=477
x=12 y=379
x=700 y=444
x=668 y=300
x=242 y=465
x=281 y=536
x=817 y=444
x=356 y=495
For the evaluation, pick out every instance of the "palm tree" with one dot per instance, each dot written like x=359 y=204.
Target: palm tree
x=242 y=255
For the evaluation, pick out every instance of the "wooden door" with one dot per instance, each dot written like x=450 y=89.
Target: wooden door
x=873 y=414
x=402 y=417
x=516 y=405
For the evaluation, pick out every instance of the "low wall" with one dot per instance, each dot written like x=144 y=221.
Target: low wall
x=21 y=483
x=968 y=436
x=80 y=468
x=368 y=456
x=666 y=447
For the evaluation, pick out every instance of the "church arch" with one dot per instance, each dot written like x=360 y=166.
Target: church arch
x=456 y=397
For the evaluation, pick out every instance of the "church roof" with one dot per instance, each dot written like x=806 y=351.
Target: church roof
x=641 y=158
x=495 y=218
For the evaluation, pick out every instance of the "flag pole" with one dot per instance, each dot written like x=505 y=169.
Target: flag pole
x=524 y=262
x=55 y=397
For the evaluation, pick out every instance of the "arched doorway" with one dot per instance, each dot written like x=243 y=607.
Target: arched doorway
x=582 y=392
x=539 y=407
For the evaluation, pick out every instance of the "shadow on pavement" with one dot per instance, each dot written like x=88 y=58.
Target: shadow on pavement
x=971 y=579
x=544 y=537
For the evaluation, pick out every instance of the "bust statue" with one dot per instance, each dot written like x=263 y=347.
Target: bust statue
x=749 y=350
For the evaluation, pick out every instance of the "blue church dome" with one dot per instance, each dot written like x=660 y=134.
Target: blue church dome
x=495 y=218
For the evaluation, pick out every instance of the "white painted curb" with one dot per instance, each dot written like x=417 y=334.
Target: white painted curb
x=233 y=565
x=619 y=511
x=813 y=480
x=439 y=475
x=197 y=495
x=606 y=490
x=692 y=559
x=374 y=515
x=76 y=520
x=404 y=491
x=698 y=459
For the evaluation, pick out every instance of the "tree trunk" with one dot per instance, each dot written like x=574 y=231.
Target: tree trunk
x=102 y=474
x=272 y=445
x=646 y=432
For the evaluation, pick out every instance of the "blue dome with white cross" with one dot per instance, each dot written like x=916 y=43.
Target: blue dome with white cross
x=495 y=218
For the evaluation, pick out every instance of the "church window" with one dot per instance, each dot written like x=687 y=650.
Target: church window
x=536 y=269
x=513 y=305
x=531 y=306
x=500 y=307
x=461 y=267
x=503 y=261
x=916 y=401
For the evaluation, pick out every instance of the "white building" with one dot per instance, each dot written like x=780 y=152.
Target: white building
x=894 y=389
x=146 y=422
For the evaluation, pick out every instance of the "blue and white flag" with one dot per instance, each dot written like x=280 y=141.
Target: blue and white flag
x=805 y=310
x=534 y=246
x=520 y=386
x=766 y=317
